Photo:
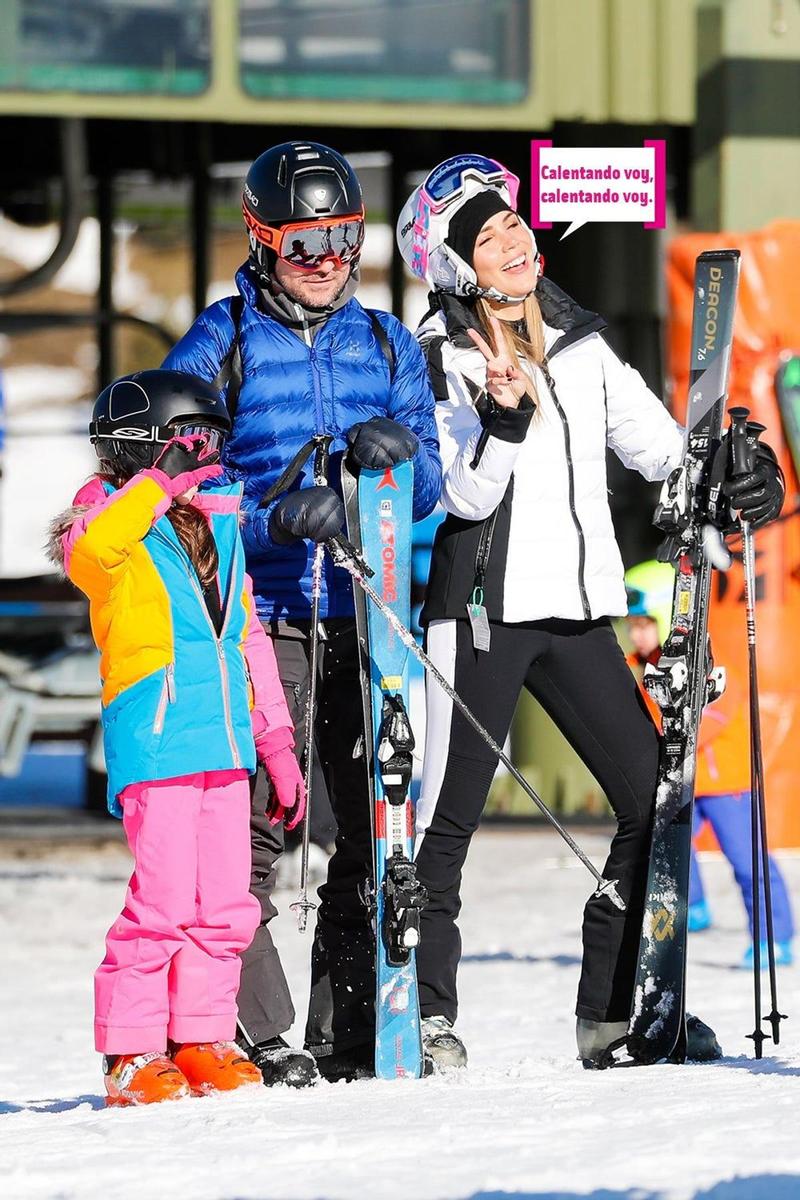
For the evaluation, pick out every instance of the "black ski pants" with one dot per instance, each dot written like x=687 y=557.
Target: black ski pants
x=264 y=1001
x=341 y=1008
x=577 y=672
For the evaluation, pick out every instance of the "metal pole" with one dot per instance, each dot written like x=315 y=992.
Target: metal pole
x=201 y=218
x=758 y=809
x=105 y=291
x=397 y=198
x=744 y=437
x=302 y=905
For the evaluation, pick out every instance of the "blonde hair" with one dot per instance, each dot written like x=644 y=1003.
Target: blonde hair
x=519 y=346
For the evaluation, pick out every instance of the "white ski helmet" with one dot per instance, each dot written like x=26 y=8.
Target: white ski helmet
x=424 y=223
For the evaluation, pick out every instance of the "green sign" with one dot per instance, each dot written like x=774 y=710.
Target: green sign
x=115 y=47
x=412 y=51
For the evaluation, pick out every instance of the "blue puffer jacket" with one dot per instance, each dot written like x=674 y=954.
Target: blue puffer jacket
x=292 y=391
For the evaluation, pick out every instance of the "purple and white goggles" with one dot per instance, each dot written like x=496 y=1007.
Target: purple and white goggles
x=448 y=182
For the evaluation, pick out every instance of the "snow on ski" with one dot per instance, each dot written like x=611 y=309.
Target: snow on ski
x=384 y=500
x=683 y=681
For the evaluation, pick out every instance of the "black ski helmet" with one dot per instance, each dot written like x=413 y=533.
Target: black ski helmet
x=136 y=415
x=297 y=181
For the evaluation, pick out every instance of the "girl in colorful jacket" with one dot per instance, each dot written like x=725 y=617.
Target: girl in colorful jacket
x=190 y=698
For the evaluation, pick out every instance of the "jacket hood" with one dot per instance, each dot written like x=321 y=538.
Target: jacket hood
x=56 y=531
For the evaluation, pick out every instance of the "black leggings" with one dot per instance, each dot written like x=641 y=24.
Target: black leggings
x=577 y=672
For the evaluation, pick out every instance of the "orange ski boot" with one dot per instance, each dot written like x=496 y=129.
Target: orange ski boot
x=215 y=1066
x=144 y=1079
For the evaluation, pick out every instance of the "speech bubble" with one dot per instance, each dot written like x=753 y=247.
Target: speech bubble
x=580 y=185
x=571 y=229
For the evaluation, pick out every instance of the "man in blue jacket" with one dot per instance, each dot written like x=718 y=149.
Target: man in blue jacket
x=301 y=357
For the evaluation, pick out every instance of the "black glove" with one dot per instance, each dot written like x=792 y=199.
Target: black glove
x=380 y=443
x=187 y=462
x=758 y=496
x=315 y=513
x=186 y=454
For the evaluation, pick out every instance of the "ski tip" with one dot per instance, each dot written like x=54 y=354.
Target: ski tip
x=732 y=254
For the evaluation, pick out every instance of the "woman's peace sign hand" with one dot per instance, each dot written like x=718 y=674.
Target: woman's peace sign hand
x=505 y=383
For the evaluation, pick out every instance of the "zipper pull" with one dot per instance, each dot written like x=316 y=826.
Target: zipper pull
x=171 y=693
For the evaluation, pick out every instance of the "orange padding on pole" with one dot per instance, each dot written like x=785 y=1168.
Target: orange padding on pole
x=767 y=325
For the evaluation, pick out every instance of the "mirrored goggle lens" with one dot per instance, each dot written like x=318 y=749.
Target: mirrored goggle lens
x=311 y=245
x=448 y=179
x=215 y=438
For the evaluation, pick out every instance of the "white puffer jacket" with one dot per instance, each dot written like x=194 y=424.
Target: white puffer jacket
x=559 y=556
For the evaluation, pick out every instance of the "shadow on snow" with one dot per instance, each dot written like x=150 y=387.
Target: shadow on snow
x=750 y=1187
x=63 y=1104
x=504 y=956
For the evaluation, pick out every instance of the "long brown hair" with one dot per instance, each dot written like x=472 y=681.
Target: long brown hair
x=530 y=347
x=188 y=522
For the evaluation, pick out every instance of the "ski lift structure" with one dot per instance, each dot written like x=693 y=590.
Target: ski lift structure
x=193 y=90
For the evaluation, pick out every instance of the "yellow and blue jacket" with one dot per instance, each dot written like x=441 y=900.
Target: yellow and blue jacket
x=176 y=696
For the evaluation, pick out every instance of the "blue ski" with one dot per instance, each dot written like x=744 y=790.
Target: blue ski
x=384 y=505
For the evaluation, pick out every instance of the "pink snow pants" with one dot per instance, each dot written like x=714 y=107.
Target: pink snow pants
x=172 y=962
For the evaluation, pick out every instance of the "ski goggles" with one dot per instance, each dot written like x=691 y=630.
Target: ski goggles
x=449 y=182
x=308 y=244
x=160 y=434
x=213 y=435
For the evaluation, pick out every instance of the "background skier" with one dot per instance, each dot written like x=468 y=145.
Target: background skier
x=526 y=571
x=722 y=786
x=313 y=361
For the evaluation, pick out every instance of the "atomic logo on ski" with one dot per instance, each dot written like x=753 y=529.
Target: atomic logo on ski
x=383 y=524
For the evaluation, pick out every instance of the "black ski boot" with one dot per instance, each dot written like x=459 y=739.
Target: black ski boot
x=346 y=1066
x=598 y=1040
x=279 y=1063
x=701 y=1041
x=442 y=1048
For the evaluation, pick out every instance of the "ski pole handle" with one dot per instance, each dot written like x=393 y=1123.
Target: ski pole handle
x=742 y=453
x=322 y=445
x=744 y=441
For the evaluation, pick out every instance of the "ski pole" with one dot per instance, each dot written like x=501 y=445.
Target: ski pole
x=345 y=555
x=744 y=439
x=302 y=905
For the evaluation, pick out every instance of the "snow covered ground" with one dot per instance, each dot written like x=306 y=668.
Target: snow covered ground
x=525 y=1121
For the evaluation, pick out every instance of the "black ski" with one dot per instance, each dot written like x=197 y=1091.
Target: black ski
x=683 y=681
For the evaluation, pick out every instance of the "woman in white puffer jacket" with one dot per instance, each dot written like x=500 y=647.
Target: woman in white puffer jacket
x=526 y=571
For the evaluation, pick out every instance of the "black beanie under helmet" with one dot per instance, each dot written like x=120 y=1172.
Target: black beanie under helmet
x=469 y=220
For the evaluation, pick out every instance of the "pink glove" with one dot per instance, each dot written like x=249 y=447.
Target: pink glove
x=287 y=800
x=185 y=462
